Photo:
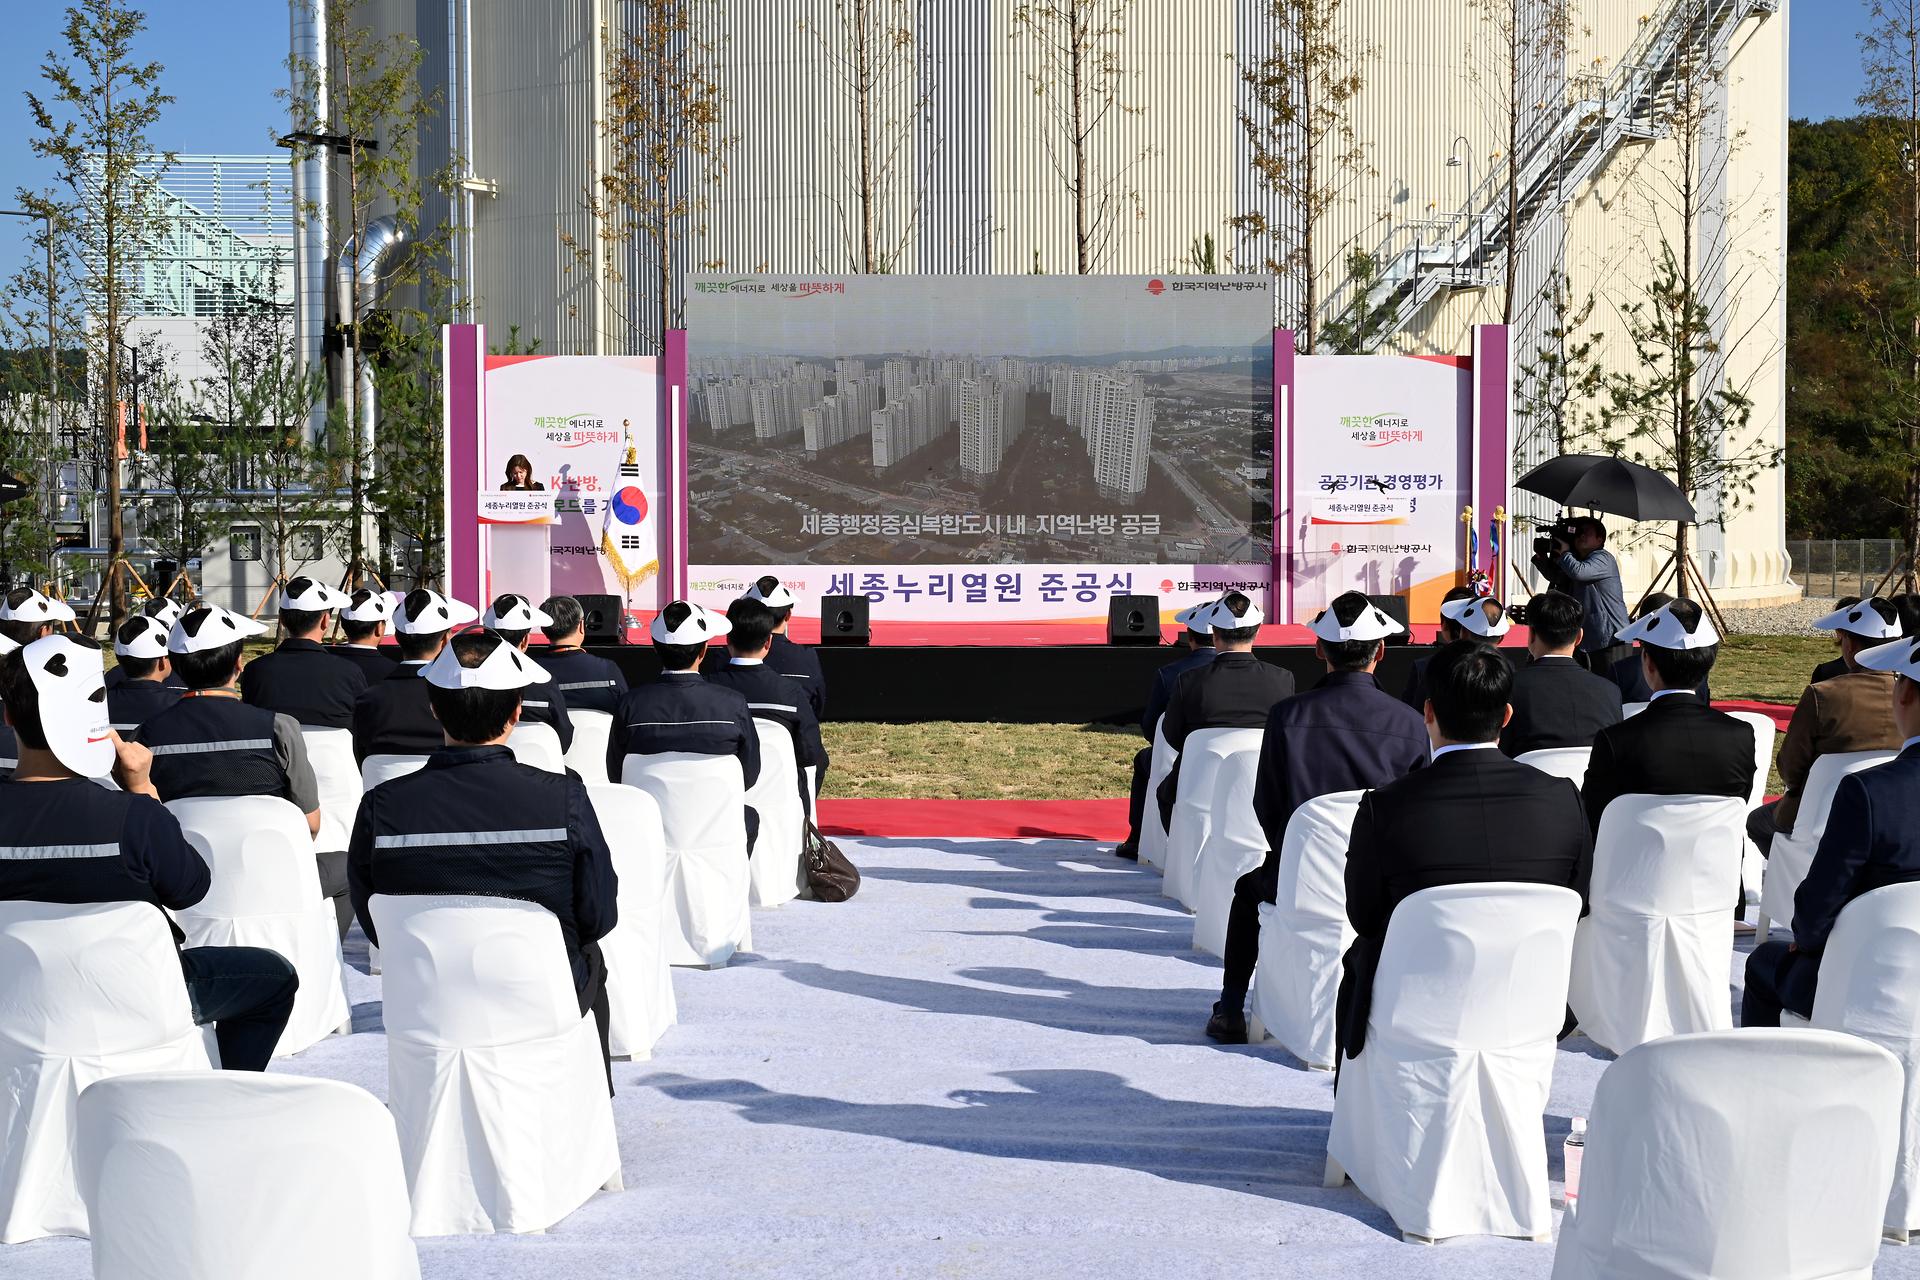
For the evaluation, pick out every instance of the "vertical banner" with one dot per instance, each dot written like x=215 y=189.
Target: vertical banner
x=463 y=403
x=1493 y=451
x=1280 y=598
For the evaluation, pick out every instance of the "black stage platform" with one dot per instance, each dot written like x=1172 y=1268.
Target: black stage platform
x=1065 y=684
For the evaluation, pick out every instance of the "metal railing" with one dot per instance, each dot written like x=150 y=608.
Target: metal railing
x=1844 y=566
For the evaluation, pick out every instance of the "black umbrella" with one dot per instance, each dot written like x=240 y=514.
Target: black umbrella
x=1601 y=482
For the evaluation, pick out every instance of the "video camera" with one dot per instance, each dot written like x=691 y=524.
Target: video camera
x=1557 y=531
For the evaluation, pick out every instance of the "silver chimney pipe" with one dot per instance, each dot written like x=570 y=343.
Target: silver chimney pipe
x=312 y=187
x=359 y=272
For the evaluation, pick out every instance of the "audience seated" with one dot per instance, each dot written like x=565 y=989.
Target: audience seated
x=395 y=715
x=1234 y=691
x=300 y=678
x=1472 y=815
x=26 y=615
x=1556 y=701
x=682 y=710
x=1415 y=692
x=1852 y=711
x=362 y=622
x=1872 y=839
x=1626 y=674
x=166 y=612
x=769 y=695
x=140 y=647
x=513 y=619
x=1344 y=734
x=60 y=826
x=1837 y=666
x=476 y=821
x=588 y=683
x=794 y=661
x=1194 y=648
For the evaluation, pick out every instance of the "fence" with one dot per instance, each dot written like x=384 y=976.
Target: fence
x=1844 y=566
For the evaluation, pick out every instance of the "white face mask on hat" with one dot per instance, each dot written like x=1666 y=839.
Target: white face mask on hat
x=1221 y=618
x=69 y=679
x=209 y=627
x=1663 y=630
x=699 y=626
x=36 y=608
x=1472 y=615
x=1368 y=623
x=1195 y=618
x=310 y=595
x=430 y=613
x=514 y=613
x=504 y=668
x=778 y=597
x=1873 y=619
x=366 y=605
x=141 y=638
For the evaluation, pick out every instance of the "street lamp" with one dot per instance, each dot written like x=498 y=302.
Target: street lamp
x=1463 y=143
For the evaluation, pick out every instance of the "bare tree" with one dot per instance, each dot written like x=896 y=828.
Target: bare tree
x=1080 y=80
x=94 y=121
x=1307 y=156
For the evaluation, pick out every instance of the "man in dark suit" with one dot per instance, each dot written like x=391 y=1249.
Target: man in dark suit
x=1234 y=691
x=1872 y=840
x=1194 y=649
x=1470 y=816
x=1556 y=701
x=1415 y=693
x=1678 y=746
x=1344 y=734
x=1625 y=673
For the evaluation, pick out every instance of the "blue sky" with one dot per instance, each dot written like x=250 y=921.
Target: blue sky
x=225 y=59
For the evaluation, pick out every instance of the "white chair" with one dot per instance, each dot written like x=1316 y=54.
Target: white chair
x=1753 y=867
x=222 y=1175
x=776 y=875
x=1305 y=931
x=1562 y=762
x=709 y=880
x=1631 y=709
x=1650 y=959
x=376 y=769
x=1792 y=853
x=1200 y=759
x=1736 y=1153
x=1153 y=833
x=266 y=893
x=1236 y=844
x=537 y=745
x=1870 y=987
x=639 y=982
x=588 y=754
x=493 y=1073
x=1439 y=1119
x=86 y=992
x=330 y=752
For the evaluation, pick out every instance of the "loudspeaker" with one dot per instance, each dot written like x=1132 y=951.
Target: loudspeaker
x=843 y=620
x=601 y=617
x=1133 y=620
x=1394 y=607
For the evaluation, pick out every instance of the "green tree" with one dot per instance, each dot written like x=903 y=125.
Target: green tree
x=1360 y=324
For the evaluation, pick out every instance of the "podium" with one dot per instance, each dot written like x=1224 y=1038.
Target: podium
x=517 y=524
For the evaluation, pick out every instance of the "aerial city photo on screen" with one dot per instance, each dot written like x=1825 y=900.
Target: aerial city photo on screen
x=948 y=420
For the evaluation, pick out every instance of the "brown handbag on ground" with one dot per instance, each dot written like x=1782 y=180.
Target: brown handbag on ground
x=831 y=875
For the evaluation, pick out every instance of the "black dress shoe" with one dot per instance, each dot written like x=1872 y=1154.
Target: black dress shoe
x=1227 y=1026
x=1126 y=850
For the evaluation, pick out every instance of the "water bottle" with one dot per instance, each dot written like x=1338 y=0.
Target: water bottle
x=1576 y=1147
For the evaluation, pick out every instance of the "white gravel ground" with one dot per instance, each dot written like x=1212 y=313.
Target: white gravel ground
x=1794 y=619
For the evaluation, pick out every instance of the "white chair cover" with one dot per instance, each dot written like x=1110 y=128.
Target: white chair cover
x=1200 y=760
x=493 y=1073
x=537 y=745
x=588 y=754
x=330 y=752
x=639 y=983
x=86 y=992
x=1753 y=866
x=1304 y=931
x=227 y=1174
x=709 y=880
x=1561 y=762
x=1153 y=833
x=1792 y=853
x=1870 y=987
x=775 y=796
x=1438 y=1120
x=1235 y=845
x=1629 y=709
x=266 y=893
x=377 y=769
x=1650 y=959
x=1736 y=1153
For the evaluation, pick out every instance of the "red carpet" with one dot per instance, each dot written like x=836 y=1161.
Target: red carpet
x=1780 y=711
x=989 y=819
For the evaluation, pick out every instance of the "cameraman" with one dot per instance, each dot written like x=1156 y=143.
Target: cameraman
x=1574 y=558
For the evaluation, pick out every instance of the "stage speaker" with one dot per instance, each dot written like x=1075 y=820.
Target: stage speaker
x=843 y=620
x=1394 y=607
x=601 y=616
x=1133 y=620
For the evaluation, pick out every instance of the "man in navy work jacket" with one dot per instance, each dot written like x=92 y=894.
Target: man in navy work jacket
x=1872 y=840
x=1234 y=691
x=1197 y=641
x=770 y=696
x=140 y=647
x=682 y=710
x=793 y=661
x=395 y=716
x=588 y=683
x=1344 y=734
x=513 y=619
x=476 y=821
x=363 y=621
x=72 y=841
x=301 y=678
x=165 y=611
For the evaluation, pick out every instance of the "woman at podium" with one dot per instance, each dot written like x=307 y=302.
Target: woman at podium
x=520 y=474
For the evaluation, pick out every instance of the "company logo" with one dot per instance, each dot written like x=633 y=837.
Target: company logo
x=1376 y=430
x=1166 y=586
x=1336 y=548
x=1156 y=286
